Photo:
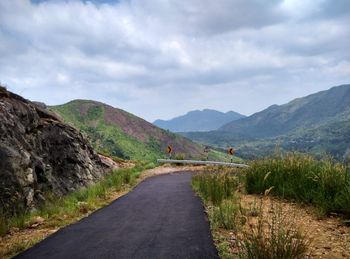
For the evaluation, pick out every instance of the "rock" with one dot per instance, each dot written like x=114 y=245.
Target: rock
x=40 y=154
x=109 y=162
x=36 y=221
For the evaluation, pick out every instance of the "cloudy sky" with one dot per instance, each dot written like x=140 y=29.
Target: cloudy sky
x=162 y=58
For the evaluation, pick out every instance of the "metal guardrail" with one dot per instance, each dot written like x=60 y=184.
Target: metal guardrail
x=197 y=162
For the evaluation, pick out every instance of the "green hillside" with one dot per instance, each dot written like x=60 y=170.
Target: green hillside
x=314 y=110
x=119 y=133
x=317 y=124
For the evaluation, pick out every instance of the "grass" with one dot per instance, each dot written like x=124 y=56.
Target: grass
x=215 y=187
x=273 y=238
x=60 y=210
x=270 y=237
x=227 y=215
x=323 y=183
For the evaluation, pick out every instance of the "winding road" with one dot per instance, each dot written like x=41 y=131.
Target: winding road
x=161 y=218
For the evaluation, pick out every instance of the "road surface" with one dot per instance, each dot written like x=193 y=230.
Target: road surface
x=160 y=218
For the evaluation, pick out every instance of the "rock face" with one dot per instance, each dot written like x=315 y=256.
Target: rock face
x=40 y=154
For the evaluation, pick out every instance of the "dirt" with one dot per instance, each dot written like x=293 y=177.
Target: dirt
x=328 y=236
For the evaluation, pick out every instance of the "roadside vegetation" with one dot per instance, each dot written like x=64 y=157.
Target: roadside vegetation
x=280 y=186
x=298 y=177
x=61 y=211
x=246 y=232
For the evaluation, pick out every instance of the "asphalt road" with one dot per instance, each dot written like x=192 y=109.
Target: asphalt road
x=160 y=218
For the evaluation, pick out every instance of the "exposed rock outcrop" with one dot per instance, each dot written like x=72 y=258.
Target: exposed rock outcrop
x=40 y=154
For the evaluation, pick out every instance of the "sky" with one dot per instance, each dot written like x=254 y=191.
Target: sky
x=162 y=58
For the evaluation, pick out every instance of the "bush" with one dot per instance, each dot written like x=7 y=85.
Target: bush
x=325 y=183
x=179 y=156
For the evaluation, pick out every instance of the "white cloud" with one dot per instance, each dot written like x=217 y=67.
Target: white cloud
x=159 y=58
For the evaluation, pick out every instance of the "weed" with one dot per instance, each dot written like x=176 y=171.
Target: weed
x=273 y=238
x=227 y=215
x=253 y=210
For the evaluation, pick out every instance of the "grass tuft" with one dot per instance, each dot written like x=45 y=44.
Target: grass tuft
x=226 y=216
x=215 y=187
x=273 y=238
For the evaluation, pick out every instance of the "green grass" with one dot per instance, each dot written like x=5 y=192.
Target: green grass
x=218 y=191
x=226 y=215
x=107 y=138
x=77 y=202
x=323 y=183
x=119 y=138
x=215 y=187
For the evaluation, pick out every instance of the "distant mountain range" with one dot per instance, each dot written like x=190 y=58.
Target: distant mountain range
x=197 y=120
x=318 y=123
x=119 y=133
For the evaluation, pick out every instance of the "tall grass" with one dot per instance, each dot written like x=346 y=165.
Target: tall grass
x=218 y=190
x=227 y=215
x=77 y=202
x=215 y=187
x=300 y=177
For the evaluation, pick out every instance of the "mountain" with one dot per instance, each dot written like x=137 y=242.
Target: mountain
x=314 y=110
x=40 y=154
x=204 y=120
x=317 y=124
x=119 y=133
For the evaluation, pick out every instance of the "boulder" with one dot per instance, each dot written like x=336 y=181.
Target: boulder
x=40 y=154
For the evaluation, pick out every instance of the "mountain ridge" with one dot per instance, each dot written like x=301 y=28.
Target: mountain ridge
x=320 y=107
x=317 y=124
x=198 y=120
x=120 y=133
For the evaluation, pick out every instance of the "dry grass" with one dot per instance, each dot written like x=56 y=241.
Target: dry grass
x=246 y=231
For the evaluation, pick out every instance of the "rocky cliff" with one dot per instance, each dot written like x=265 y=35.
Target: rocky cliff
x=40 y=154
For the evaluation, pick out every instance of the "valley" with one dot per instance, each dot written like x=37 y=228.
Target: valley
x=316 y=124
